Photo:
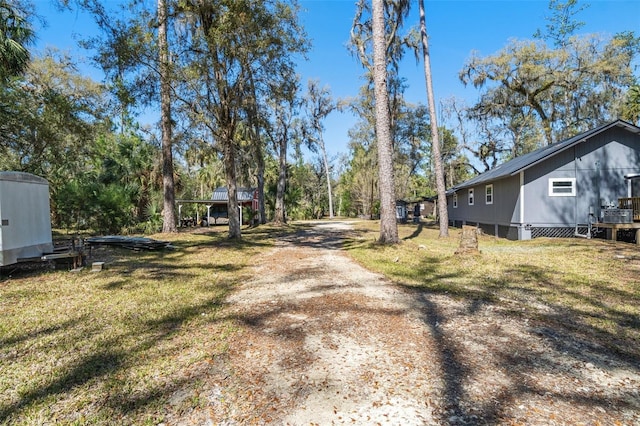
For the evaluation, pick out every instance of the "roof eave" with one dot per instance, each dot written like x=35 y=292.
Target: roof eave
x=617 y=123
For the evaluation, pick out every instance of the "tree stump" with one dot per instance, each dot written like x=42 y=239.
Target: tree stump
x=468 y=241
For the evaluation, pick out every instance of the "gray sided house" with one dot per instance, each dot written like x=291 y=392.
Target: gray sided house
x=552 y=192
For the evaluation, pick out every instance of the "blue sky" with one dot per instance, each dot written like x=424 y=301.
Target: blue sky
x=455 y=27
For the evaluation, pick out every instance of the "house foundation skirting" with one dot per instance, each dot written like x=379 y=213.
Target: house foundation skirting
x=501 y=231
x=512 y=232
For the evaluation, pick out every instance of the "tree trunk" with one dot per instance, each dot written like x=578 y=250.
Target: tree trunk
x=258 y=150
x=443 y=214
x=386 y=184
x=262 y=219
x=168 y=211
x=280 y=216
x=232 y=189
x=326 y=169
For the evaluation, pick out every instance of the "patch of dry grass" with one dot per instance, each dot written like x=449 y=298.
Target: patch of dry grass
x=589 y=287
x=116 y=347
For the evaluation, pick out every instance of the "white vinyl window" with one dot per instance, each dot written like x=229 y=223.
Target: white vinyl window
x=470 y=196
x=488 y=194
x=562 y=187
x=455 y=200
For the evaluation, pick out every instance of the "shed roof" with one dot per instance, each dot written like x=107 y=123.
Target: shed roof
x=526 y=161
x=220 y=196
x=22 y=177
x=244 y=194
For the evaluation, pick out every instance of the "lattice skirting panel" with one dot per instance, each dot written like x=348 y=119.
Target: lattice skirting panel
x=557 y=232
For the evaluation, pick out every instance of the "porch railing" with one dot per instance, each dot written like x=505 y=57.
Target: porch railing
x=631 y=203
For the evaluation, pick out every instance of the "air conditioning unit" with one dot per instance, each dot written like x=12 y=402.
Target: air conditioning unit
x=617 y=215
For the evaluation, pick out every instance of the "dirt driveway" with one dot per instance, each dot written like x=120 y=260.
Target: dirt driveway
x=324 y=341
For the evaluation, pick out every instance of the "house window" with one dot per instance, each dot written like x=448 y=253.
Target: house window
x=455 y=200
x=488 y=194
x=562 y=187
x=471 y=196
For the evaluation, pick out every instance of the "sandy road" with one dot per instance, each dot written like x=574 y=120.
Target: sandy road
x=342 y=342
x=324 y=341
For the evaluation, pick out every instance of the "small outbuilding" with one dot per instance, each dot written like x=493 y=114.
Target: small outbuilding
x=555 y=191
x=218 y=206
x=26 y=222
x=247 y=198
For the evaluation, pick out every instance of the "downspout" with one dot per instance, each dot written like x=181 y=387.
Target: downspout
x=524 y=232
x=591 y=214
x=575 y=198
x=522 y=198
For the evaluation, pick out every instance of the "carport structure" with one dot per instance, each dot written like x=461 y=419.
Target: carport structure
x=218 y=205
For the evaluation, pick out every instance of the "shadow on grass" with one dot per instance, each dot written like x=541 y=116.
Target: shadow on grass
x=568 y=338
x=41 y=332
x=91 y=367
x=214 y=253
x=111 y=361
x=583 y=321
x=562 y=324
x=416 y=232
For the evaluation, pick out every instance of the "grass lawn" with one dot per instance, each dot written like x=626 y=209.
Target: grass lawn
x=112 y=347
x=587 y=287
x=118 y=346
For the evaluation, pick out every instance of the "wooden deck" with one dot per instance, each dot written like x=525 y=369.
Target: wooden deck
x=612 y=228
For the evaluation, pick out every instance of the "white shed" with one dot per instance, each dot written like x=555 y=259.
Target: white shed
x=25 y=231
